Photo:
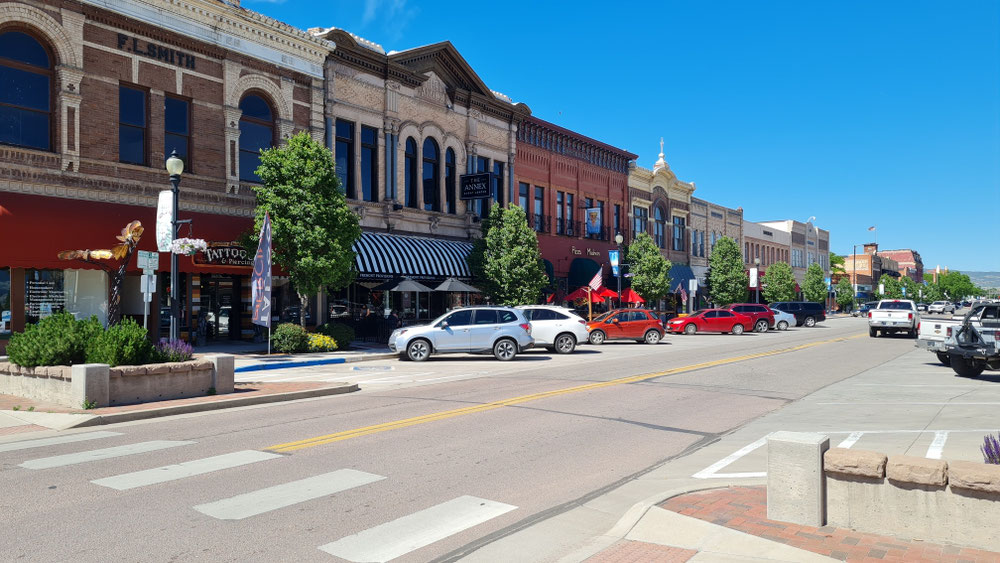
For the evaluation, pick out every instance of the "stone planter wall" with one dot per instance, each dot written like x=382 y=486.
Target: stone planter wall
x=71 y=386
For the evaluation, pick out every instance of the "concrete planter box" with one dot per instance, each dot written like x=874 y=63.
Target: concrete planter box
x=105 y=386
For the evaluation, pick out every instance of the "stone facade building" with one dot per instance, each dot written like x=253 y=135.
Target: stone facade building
x=809 y=244
x=102 y=95
x=709 y=223
x=909 y=261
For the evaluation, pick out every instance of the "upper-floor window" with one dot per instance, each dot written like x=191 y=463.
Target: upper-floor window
x=481 y=206
x=177 y=129
x=497 y=182
x=660 y=227
x=560 y=222
x=25 y=92
x=344 y=150
x=256 y=134
x=431 y=176
x=678 y=242
x=569 y=228
x=369 y=163
x=640 y=218
x=132 y=121
x=539 y=207
x=618 y=218
x=410 y=173
x=522 y=199
x=449 y=179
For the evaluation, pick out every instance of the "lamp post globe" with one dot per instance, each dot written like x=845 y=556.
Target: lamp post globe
x=619 y=239
x=175 y=167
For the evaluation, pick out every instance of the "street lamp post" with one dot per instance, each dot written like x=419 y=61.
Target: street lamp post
x=175 y=166
x=618 y=241
x=756 y=289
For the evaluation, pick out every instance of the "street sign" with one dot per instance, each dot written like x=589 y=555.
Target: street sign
x=148 y=260
x=475 y=186
x=693 y=285
x=881 y=289
x=753 y=278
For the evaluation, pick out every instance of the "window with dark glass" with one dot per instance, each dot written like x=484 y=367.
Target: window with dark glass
x=618 y=218
x=539 y=207
x=600 y=207
x=410 y=173
x=640 y=218
x=132 y=125
x=25 y=92
x=177 y=129
x=570 y=227
x=588 y=204
x=497 y=182
x=560 y=226
x=345 y=157
x=431 y=176
x=5 y=310
x=701 y=244
x=256 y=134
x=659 y=227
x=678 y=233
x=481 y=206
x=369 y=163
x=522 y=198
x=449 y=179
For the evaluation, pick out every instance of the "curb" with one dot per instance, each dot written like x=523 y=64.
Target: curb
x=318 y=362
x=101 y=419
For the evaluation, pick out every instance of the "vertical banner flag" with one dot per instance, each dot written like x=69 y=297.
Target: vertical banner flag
x=613 y=258
x=164 y=218
x=753 y=278
x=260 y=282
x=594 y=221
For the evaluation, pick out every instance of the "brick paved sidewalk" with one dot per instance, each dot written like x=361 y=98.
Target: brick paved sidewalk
x=745 y=509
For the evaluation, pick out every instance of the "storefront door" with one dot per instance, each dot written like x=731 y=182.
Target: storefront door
x=220 y=305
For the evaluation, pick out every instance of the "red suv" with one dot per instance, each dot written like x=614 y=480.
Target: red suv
x=762 y=315
x=626 y=324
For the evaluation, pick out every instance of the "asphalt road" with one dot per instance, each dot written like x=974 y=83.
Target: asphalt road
x=453 y=454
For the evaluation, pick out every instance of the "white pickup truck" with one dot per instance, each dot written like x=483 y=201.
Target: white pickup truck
x=933 y=332
x=893 y=315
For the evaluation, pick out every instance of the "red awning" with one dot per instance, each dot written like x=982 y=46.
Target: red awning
x=34 y=229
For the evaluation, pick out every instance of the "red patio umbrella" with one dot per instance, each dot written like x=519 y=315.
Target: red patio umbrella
x=605 y=292
x=582 y=293
x=630 y=296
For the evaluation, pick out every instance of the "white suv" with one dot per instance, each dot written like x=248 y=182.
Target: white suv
x=941 y=307
x=501 y=330
x=557 y=328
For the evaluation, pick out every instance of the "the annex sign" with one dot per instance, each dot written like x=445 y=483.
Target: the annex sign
x=475 y=186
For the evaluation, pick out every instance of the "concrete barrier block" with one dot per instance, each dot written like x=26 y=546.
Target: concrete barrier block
x=223 y=373
x=91 y=383
x=796 y=488
x=974 y=476
x=917 y=470
x=862 y=463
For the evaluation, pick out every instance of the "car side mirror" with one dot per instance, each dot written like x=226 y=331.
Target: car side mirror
x=443 y=324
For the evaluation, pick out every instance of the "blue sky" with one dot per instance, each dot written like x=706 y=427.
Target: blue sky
x=859 y=113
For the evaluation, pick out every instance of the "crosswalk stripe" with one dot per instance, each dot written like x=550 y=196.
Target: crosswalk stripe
x=408 y=533
x=106 y=453
x=181 y=470
x=28 y=444
x=280 y=496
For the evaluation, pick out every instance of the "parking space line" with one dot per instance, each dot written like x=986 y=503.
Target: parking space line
x=851 y=440
x=937 y=445
x=710 y=472
x=921 y=403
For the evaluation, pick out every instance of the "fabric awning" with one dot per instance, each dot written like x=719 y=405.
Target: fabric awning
x=680 y=274
x=383 y=255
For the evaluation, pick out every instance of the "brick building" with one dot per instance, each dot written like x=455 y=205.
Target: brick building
x=809 y=244
x=909 y=261
x=763 y=246
x=709 y=223
x=864 y=270
x=101 y=96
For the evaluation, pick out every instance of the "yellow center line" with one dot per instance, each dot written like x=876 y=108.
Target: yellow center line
x=433 y=417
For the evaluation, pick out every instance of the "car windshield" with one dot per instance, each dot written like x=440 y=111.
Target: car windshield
x=698 y=314
x=604 y=316
x=895 y=305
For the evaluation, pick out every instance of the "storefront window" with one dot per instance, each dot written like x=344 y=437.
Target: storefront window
x=5 y=313
x=285 y=304
x=81 y=292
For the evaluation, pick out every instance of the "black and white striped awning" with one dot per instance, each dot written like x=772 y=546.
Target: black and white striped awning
x=387 y=256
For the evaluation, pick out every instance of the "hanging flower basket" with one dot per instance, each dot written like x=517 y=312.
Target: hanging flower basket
x=188 y=246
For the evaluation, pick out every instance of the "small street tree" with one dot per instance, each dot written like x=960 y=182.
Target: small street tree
x=506 y=260
x=912 y=288
x=813 y=285
x=956 y=285
x=650 y=270
x=845 y=294
x=727 y=278
x=312 y=228
x=779 y=283
x=837 y=264
x=891 y=287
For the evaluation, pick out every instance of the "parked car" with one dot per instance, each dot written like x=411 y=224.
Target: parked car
x=640 y=325
x=806 y=313
x=862 y=311
x=557 y=328
x=761 y=315
x=504 y=331
x=932 y=333
x=894 y=315
x=711 y=320
x=783 y=320
x=922 y=306
x=941 y=307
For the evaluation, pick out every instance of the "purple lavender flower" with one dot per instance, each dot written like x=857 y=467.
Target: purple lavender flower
x=991 y=449
x=174 y=350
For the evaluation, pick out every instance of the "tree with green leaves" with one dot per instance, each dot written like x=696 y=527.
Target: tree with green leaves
x=506 y=260
x=779 y=283
x=727 y=277
x=814 y=284
x=956 y=285
x=912 y=288
x=650 y=270
x=890 y=286
x=845 y=294
x=312 y=228
x=837 y=264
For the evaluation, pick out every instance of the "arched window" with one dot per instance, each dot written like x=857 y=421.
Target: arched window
x=432 y=179
x=25 y=92
x=256 y=134
x=410 y=173
x=661 y=227
x=449 y=180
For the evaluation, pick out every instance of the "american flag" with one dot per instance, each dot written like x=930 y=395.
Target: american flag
x=597 y=282
x=872 y=228
x=684 y=294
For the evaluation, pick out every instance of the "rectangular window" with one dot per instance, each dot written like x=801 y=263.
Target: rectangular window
x=588 y=204
x=132 y=120
x=570 y=227
x=678 y=233
x=539 y=208
x=5 y=310
x=345 y=157
x=701 y=244
x=498 y=182
x=80 y=292
x=601 y=235
x=480 y=206
x=560 y=225
x=640 y=219
x=177 y=129
x=369 y=163
x=618 y=218
x=523 y=190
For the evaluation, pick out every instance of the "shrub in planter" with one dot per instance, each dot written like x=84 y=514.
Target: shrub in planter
x=290 y=338
x=124 y=344
x=340 y=332
x=58 y=340
x=172 y=351
x=321 y=343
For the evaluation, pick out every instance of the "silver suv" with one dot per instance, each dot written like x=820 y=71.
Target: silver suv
x=501 y=330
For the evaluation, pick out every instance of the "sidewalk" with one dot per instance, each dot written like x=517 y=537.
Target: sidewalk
x=253 y=356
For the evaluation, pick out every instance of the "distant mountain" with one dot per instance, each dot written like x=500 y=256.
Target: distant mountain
x=984 y=279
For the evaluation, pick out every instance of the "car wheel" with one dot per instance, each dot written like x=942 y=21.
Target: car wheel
x=761 y=326
x=565 y=344
x=418 y=350
x=945 y=359
x=597 y=337
x=782 y=325
x=810 y=322
x=652 y=337
x=737 y=329
x=690 y=328
x=872 y=332
x=966 y=368
x=505 y=349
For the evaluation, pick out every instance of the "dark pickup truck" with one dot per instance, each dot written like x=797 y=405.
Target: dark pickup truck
x=971 y=346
